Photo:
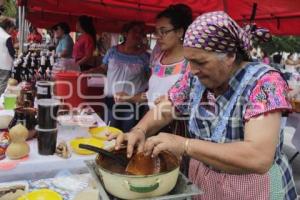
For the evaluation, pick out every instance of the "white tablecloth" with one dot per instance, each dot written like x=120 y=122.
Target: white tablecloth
x=38 y=166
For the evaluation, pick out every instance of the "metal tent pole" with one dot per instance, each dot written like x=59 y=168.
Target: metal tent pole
x=23 y=27
x=26 y=30
x=20 y=29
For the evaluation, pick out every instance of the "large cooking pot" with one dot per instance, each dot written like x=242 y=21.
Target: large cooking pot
x=125 y=186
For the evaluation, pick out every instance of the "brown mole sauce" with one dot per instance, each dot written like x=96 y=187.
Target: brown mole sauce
x=168 y=162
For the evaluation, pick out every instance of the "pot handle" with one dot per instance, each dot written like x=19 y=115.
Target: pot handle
x=142 y=189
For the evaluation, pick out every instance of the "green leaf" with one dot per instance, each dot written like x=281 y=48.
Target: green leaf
x=10 y=8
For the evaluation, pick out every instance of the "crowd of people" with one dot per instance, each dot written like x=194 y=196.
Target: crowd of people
x=202 y=69
x=277 y=60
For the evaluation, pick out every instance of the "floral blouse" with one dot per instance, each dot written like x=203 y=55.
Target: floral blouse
x=269 y=94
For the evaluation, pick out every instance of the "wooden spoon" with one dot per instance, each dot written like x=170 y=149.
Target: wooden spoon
x=140 y=164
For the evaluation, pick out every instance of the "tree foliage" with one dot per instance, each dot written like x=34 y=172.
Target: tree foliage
x=10 y=8
x=282 y=44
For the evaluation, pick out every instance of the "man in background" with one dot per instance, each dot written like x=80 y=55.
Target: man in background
x=7 y=51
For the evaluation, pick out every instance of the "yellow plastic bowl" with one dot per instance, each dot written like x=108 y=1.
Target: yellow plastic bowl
x=100 y=132
x=90 y=141
x=42 y=194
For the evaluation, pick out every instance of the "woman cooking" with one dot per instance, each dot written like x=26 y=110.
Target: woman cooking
x=230 y=103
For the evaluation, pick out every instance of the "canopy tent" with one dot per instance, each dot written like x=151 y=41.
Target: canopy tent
x=282 y=17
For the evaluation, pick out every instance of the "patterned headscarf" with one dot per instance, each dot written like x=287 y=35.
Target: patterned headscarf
x=216 y=31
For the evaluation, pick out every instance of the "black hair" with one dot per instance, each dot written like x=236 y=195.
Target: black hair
x=87 y=25
x=241 y=56
x=180 y=16
x=277 y=58
x=64 y=26
x=32 y=28
x=7 y=23
x=127 y=27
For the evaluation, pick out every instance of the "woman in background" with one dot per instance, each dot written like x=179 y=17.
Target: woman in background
x=86 y=43
x=64 y=48
x=167 y=62
x=34 y=36
x=127 y=68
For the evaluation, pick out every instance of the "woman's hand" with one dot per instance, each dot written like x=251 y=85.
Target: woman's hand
x=122 y=97
x=165 y=142
x=135 y=138
x=161 y=99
